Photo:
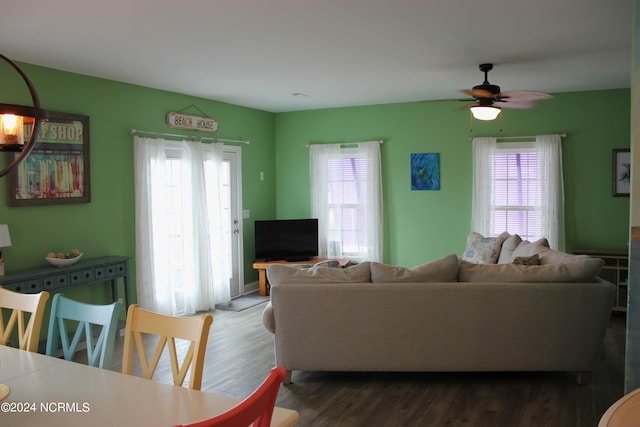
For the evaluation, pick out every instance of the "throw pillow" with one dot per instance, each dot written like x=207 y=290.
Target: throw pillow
x=527 y=260
x=442 y=270
x=301 y=266
x=527 y=249
x=279 y=274
x=327 y=263
x=483 y=250
x=508 y=246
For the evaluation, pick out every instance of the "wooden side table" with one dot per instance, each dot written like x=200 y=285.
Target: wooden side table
x=84 y=272
x=262 y=269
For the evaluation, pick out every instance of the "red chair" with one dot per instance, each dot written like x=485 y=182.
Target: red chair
x=255 y=410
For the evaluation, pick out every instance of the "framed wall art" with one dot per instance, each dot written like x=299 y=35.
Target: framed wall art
x=425 y=171
x=621 y=177
x=57 y=170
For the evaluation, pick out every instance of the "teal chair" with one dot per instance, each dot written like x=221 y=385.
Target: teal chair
x=66 y=312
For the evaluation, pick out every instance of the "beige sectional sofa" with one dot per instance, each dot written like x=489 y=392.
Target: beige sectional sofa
x=452 y=314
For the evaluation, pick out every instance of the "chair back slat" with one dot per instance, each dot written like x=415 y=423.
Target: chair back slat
x=256 y=410
x=66 y=311
x=22 y=306
x=141 y=323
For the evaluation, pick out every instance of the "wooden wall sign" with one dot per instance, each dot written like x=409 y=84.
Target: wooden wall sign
x=190 y=122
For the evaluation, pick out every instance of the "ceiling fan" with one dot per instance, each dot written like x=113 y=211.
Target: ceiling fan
x=489 y=100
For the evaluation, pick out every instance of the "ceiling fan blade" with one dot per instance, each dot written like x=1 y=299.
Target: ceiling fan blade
x=523 y=96
x=508 y=103
x=478 y=93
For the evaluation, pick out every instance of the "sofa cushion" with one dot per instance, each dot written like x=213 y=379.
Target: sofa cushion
x=282 y=274
x=483 y=250
x=442 y=270
x=508 y=246
x=582 y=270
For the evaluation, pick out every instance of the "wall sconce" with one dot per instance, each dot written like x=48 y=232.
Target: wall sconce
x=14 y=118
x=5 y=242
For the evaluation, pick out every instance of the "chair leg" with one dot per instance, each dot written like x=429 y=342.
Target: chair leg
x=287 y=379
x=584 y=377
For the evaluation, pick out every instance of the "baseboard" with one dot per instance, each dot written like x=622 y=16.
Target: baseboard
x=251 y=287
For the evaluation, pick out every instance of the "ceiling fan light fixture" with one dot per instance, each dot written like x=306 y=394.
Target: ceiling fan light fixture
x=485 y=112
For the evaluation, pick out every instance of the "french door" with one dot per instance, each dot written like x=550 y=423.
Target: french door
x=231 y=187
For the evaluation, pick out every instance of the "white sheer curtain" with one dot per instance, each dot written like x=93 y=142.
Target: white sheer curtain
x=484 y=156
x=549 y=155
x=346 y=197
x=549 y=187
x=178 y=226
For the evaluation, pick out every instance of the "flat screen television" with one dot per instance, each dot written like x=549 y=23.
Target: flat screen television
x=286 y=239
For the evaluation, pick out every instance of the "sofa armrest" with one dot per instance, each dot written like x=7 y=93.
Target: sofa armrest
x=268 y=319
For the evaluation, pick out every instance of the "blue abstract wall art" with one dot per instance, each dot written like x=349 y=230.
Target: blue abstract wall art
x=425 y=171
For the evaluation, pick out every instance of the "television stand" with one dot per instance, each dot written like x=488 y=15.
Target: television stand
x=303 y=259
x=262 y=266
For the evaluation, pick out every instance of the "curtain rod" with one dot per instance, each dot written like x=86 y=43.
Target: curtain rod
x=562 y=135
x=379 y=141
x=191 y=137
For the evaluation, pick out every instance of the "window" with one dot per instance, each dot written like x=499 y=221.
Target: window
x=518 y=188
x=346 y=199
x=517 y=193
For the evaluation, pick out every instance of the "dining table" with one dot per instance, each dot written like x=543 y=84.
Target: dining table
x=49 y=391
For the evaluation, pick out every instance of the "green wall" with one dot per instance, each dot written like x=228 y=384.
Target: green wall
x=419 y=225
x=426 y=225
x=106 y=225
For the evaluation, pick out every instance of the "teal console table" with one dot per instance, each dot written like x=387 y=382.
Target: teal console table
x=83 y=272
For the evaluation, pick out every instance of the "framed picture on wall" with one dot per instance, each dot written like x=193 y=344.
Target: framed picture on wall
x=57 y=170
x=425 y=171
x=621 y=178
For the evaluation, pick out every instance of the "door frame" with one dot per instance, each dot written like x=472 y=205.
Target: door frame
x=237 y=180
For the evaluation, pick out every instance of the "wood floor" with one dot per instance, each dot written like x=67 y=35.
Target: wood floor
x=240 y=354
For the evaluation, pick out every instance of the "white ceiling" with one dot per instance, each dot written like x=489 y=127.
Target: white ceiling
x=334 y=52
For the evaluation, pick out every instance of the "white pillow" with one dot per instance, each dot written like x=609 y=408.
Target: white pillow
x=442 y=270
x=483 y=250
x=527 y=249
x=508 y=247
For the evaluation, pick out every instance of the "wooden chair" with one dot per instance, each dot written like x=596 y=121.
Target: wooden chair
x=168 y=328
x=21 y=304
x=623 y=412
x=256 y=410
x=87 y=316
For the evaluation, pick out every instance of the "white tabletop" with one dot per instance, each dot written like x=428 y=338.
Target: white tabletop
x=46 y=391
